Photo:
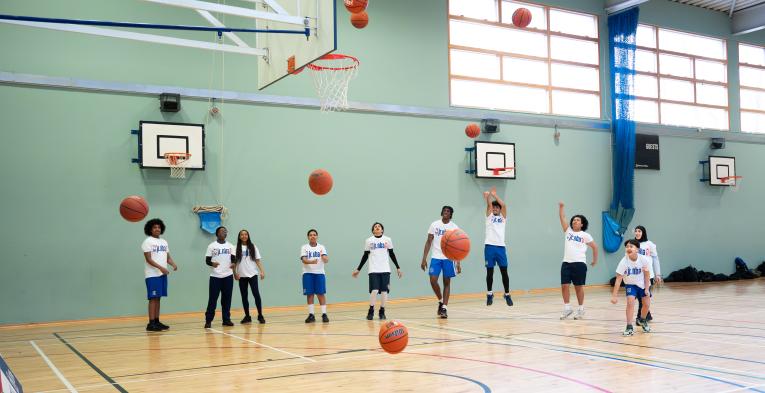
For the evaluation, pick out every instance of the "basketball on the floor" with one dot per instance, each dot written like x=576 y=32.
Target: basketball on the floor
x=455 y=244
x=360 y=20
x=134 y=208
x=320 y=182
x=472 y=130
x=521 y=17
x=393 y=337
x=355 y=6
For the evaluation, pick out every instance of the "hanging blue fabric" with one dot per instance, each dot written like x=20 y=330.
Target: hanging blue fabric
x=612 y=237
x=622 y=38
x=209 y=221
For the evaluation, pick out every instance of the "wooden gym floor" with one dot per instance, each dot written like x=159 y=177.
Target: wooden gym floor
x=706 y=338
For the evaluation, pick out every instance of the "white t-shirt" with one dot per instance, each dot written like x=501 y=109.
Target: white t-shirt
x=247 y=267
x=158 y=249
x=648 y=248
x=313 y=253
x=575 y=249
x=495 y=230
x=221 y=253
x=378 y=253
x=632 y=271
x=438 y=229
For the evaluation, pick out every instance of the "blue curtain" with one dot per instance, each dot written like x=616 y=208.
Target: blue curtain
x=622 y=32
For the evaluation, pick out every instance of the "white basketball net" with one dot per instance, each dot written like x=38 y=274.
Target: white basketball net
x=331 y=75
x=177 y=162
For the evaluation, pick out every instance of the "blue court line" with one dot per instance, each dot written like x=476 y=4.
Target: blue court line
x=93 y=366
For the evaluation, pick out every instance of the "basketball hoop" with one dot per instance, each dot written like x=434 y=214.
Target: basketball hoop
x=331 y=75
x=731 y=181
x=499 y=171
x=177 y=163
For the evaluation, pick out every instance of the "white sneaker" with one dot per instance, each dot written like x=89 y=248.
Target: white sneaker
x=579 y=314
x=566 y=313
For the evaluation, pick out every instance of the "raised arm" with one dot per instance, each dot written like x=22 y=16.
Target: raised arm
x=428 y=243
x=562 y=216
x=500 y=201
x=488 y=202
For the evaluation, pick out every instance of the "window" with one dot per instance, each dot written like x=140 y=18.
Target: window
x=551 y=66
x=751 y=72
x=681 y=79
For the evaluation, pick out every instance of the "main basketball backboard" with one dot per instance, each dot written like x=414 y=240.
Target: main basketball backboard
x=157 y=138
x=494 y=155
x=721 y=169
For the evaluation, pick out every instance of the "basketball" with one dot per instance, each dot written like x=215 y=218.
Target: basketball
x=320 y=182
x=393 y=337
x=455 y=244
x=521 y=17
x=360 y=20
x=355 y=6
x=472 y=130
x=134 y=208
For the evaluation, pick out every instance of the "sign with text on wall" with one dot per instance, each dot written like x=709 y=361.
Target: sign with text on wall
x=647 y=151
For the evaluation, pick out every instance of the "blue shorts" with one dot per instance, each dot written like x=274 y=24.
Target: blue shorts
x=634 y=290
x=156 y=287
x=494 y=255
x=573 y=272
x=314 y=284
x=437 y=265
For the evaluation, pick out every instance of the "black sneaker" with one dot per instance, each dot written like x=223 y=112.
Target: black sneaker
x=440 y=306
x=489 y=299
x=649 y=317
x=261 y=320
x=443 y=314
x=508 y=299
x=246 y=319
x=208 y=325
x=324 y=318
x=382 y=313
x=153 y=327
x=228 y=323
x=371 y=313
x=644 y=324
x=310 y=319
x=628 y=331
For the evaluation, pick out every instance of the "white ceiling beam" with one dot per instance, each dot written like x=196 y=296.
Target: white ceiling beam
x=215 y=22
x=231 y=10
x=748 y=20
x=152 y=38
x=615 y=6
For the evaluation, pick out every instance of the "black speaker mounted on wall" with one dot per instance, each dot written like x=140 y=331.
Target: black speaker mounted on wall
x=169 y=102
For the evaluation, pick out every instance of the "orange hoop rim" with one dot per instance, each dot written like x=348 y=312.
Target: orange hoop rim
x=334 y=56
x=496 y=171
x=177 y=155
x=726 y=179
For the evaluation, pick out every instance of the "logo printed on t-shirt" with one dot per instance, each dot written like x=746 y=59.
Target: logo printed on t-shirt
x=378 y=245
x=159 y=248
x=575 y=238
x=221 y=251
x=497 y=219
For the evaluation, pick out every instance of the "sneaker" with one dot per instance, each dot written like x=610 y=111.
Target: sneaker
x=382 y=313
x=161 y=325
x=324 y=318
x=153 y=327
x=489 y=299
x=261 y=320
x=579 y=314
x=310 y=319
x=440 y=306
x=208 y=325
x=371 y=313
x=443 y=313
x=566 y=313
x=644 y=324
x=649 y=317
x=628 y=331
x=508 y=299
x=228 y=323
x=246 y=319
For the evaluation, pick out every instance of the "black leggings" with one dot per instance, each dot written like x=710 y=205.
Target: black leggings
x=253 y=283
x=490 y=278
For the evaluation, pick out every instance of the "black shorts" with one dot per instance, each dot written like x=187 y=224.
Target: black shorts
x=573 y=272
x=379 y=282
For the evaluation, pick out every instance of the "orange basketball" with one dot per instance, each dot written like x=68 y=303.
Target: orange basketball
x=134 y=208
x=360 y=20
x=472 y=130
x=320 y=182
x=521 y=17
x=355 y=6
x=455 y=244
x=393 y=337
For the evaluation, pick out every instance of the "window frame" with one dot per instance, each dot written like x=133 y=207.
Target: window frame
x=748 y=87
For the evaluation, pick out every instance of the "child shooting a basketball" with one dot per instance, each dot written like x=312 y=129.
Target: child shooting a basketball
x=633 y=269
x=248 y=270
x=314 y=257
x=648 y=249
x=378 y=249
x=157 y=257
x=221 y=257
x=494 y=246
x=438 y=261
x=574 y=266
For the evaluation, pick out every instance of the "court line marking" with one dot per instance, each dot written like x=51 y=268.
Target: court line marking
x=263 y=345
x=53 y=367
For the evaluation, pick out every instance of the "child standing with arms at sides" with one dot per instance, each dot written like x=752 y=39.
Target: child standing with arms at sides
x=574 y=266
x=314 y=257
x=221 y=257
x=494 y=246
x=377 y=249
x=438 y=261
x=633 y=269
x=648 y=249
x=157 y=256
x=248 y=270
